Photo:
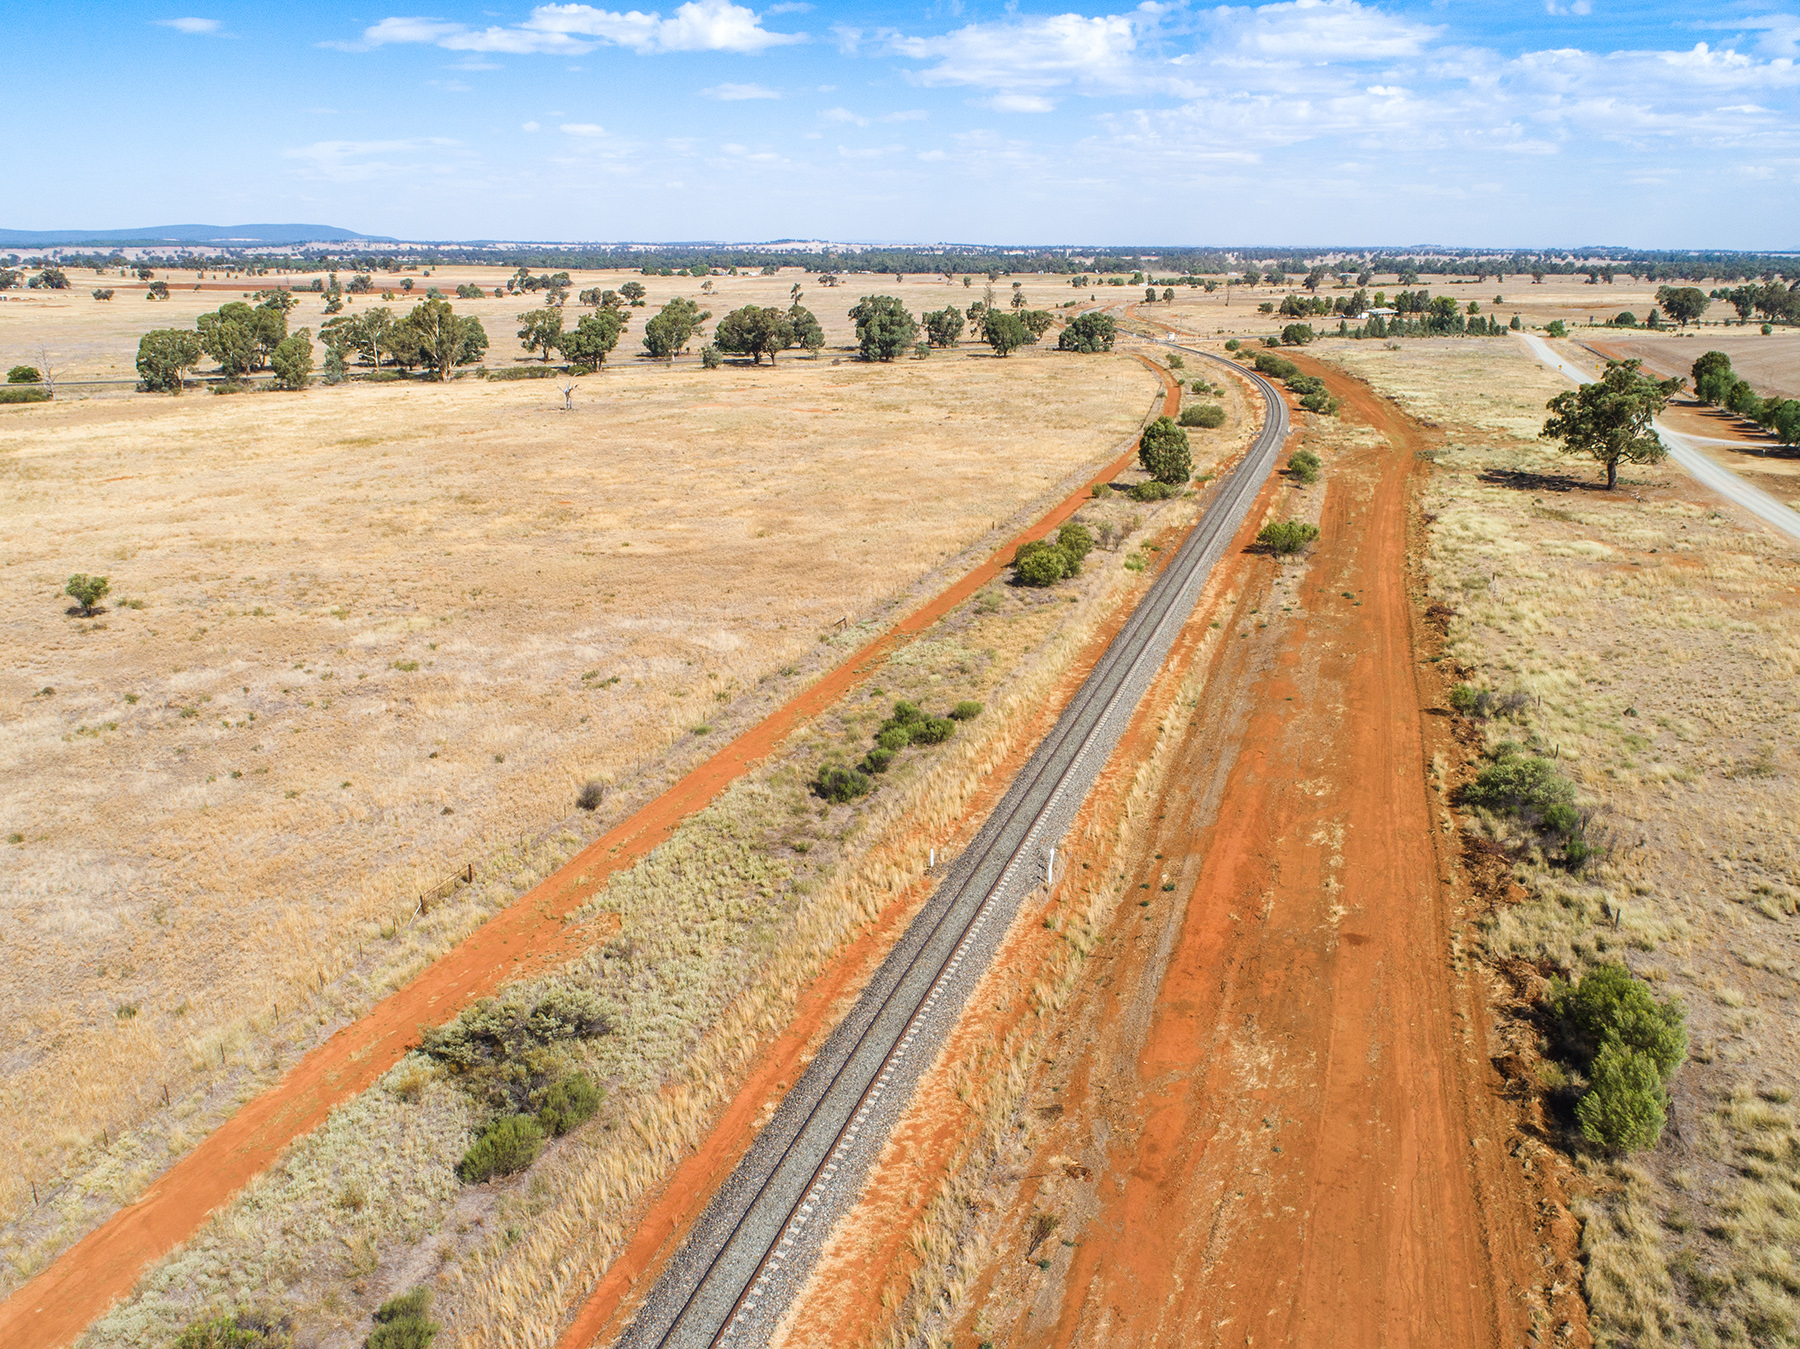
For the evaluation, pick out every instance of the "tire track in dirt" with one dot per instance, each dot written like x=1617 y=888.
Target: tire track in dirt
x=529 y=935
x=1283 y=1089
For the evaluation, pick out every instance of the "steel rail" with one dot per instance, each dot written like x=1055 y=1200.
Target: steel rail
x=733 y=1277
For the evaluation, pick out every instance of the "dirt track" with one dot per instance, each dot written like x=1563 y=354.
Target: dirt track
x=1276 y=1072
x=58 y=1304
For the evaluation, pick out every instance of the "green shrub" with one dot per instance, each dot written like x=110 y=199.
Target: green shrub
x=1283 y=537
x=1624 y=1108
x=1611 y=1005
x=965 y=711
x=1232 y=344
x=87 y=591
x=1075 y=540
x=1164 y=452
x=878 y=759
x=1275 y=367
x=24 y=395
x=509 y=1144
x=401 y=1323
x=1303 y=466
x=839 y=784
x=933 y=731
x=1297 y=334
x=569 y=1102
x=905 y=713
x=893 y=739
x=1519 y=784
x=710 y=357
x=1462 y=698
x=1304 y=384
x=1208 y=415
x=1556 y=328
x=24 y=374
x=245 y=1330
x=1039 y=564
x=1153 y=490
x=506 y=1052
x=1322 y=403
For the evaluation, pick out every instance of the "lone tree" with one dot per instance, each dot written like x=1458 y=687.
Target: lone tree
x=590 y=341
x=1611 y=420
x=1088 y=333
x=755 y=332
x=1164 y=452
x=164 y=356
x=87 y=591
x=807 y=331
x=884 y=328
x=1714 y=378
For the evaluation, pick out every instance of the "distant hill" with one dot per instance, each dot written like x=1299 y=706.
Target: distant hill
x=245 y=235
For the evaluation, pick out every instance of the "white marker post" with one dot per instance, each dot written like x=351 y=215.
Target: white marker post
x=1050 y=868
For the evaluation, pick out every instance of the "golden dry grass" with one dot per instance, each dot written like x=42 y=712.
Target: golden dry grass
x=388 y=630
x=717 y=931
x=1656 y=633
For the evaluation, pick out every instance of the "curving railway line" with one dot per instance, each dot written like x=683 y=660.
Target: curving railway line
x=739 y=1269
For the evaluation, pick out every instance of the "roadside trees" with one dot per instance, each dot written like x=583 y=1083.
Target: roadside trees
x=1610 y=420
x=1684 y=304
x=755 y=332
x=1088 y=333
x=884 y=328
x=164 y=356
x=1713 y=377
x=944 y=327
x=1164 y=452
x=1005 y=332
x=672 y=327
x=292 y=360
x=541 y=330
x=590 y=341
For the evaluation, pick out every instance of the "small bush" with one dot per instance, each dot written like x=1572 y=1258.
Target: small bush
x=1556 y=328
x=592 y=793
x=906 y=713
x=965 y=711
x=1525 y=785
x=87 y=591
x=401 y=1323
x=1075 y=540
x=1232 y=344
x=1462 y=698
x=711 y=358
x=1208 y=415
x=1153 y=490
x=893 y=739
x=1276 y=367
x=245 y=1330
x=24 y=374
x=1610 y=1004
x=1303 y=466
x=1039 y=564
x=933 y=731
x=878 y=760
x=569 y=1102
x=1624 y=1108
x=508 y=1145
x=839 y=784
x=1322 y=403
x=1284 y=537
x=24 y=395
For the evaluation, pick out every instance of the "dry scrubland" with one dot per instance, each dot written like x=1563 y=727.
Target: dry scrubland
x=715 y=934
x=1656 y=635
x=360 y=638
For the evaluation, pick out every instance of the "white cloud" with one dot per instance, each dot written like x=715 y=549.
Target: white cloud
x=199 y=27
x=1020 y=103
x=1028 y=54
x=1317 y=31
x=583 y=129
x=696 y=26
x=359 y=161
x=737 y=93
x=843 y=115
x=1577 y=7
x=530 y=126
x=909 y=115
x=474 y=63
x=790 y=7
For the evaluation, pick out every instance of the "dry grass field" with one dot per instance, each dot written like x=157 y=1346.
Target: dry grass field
x=712 y=937
x=1655 y=635
x=361 y=638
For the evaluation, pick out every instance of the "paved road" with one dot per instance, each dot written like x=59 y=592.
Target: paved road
x=1685 y=450
x=740 y=1268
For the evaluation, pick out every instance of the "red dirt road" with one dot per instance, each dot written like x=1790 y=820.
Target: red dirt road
x=1279 y=1079
x=55 y=1307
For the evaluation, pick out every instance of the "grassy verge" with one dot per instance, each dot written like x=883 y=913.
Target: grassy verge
x=1646 y=644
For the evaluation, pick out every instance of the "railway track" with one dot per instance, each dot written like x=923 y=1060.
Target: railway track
x=735 y=1276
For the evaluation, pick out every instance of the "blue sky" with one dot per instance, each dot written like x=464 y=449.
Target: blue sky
x=1308 y=121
